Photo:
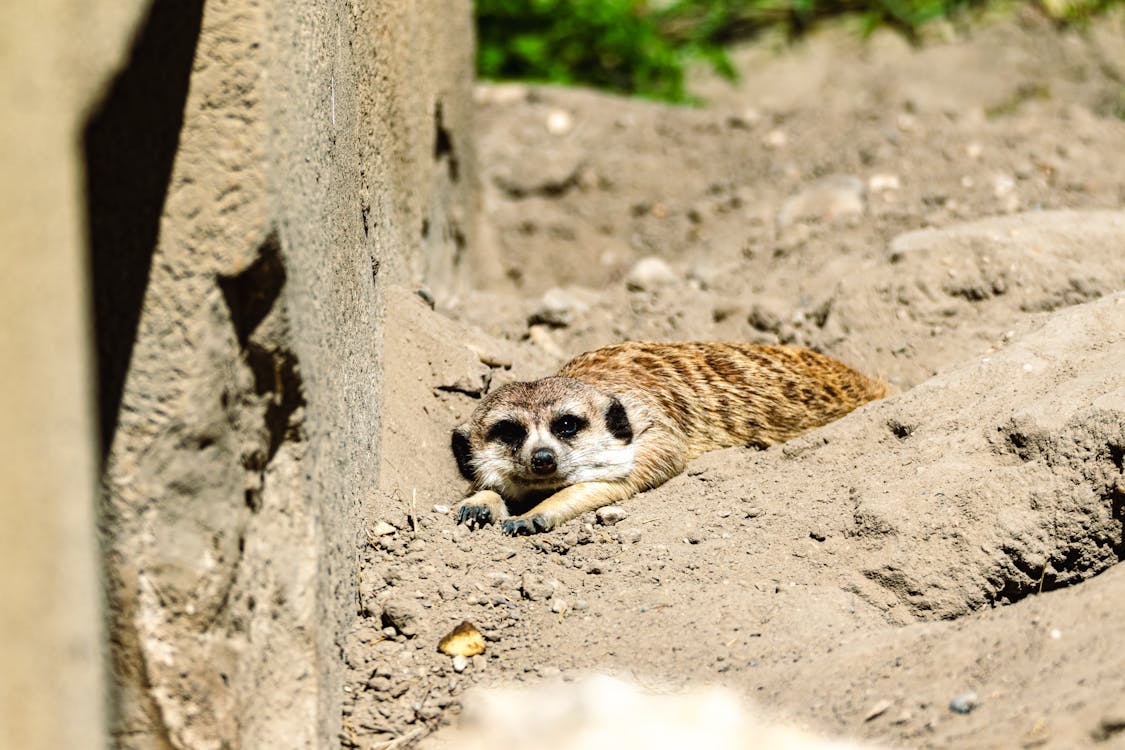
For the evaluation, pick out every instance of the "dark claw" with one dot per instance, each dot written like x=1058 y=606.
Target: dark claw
x=474 y=516
x=537 y=524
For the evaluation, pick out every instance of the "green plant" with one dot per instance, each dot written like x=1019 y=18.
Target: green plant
x=641 y=47
x=614 y=44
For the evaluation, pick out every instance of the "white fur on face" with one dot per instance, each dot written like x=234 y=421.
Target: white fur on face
x=593 y=454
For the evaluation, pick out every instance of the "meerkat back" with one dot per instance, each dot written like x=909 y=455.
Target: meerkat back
x=728 y=394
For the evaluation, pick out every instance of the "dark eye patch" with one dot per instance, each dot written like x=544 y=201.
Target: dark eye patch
x=567 y=425
x=511 y=434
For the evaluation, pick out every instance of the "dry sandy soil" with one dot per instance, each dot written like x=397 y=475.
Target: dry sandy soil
x=948 y=218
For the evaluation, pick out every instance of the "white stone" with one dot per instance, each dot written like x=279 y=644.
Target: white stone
x=610 y=515
x=650 y=273
x=559 y=122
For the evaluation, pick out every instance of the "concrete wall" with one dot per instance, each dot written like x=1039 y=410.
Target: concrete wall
x=241 y=188
x=52 y=56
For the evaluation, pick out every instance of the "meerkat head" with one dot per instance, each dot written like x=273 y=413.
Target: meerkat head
x=544 y=435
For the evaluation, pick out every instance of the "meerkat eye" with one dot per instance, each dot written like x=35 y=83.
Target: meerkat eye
x=508 y=432
x=567 y=425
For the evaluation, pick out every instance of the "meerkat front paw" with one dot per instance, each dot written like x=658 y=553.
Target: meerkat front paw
x=475 y=516
x=480 y=509
x=525 y=526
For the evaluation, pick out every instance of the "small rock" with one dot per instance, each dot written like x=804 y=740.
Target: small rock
x=963 y=703
x=650 y=273
x=541 y=336
x=877 y=710
x=441 y=509
x=692 y=536
x=776 y=138
x=1002 y=185
x=558 y=308
x=403 y=615
x=1110 y=725
x=817 y=534
x=460 y=662
x=379 y=684
x=877 y=183
x=382 y=528
x=610 y=515
x=559 y=606
x=498 y=580
x=535 y=588
x=764 y=319
x=428 y=713
x=595 y=567
x=368 y=593
x=829 y=199
x=745 y=120
x=753 y=512
x=630 y=536
x=500 y=93
x=559 y=122
x=580 y=605
x=464 y=639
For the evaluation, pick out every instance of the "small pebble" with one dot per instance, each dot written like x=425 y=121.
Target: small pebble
x=775 y=139
x=559 y=606
x=403 y=615
x=379 y=684
x=879 y=182
x=692 y=536
x=630 y=536
x=460 y=662
x=441 y=509
x=963 y=703
x=610 y=515
x=877 y=710
x=817 y=534
x=828 y=199
x=535 y=588
x=558 y=308
x=753 y=512
x=498 y=580
x=559 y=122
x=382 y=528
x=650 y=273
x=464 y=640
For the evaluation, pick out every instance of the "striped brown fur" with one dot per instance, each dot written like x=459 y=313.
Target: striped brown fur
x=678 y=400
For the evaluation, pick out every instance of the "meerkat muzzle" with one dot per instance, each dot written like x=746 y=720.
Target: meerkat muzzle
x=543 y=462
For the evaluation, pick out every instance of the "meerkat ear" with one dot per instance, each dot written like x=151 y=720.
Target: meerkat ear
x=617 y=421
x=463 y=452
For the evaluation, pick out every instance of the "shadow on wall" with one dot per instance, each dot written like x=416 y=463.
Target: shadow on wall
x=129 y=145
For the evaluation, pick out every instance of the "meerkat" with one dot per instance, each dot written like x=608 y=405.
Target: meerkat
x=628 y=417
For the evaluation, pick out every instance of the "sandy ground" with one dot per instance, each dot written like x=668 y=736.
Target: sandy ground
x=947 y=218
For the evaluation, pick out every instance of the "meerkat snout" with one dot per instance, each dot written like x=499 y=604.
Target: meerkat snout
x=543 y=462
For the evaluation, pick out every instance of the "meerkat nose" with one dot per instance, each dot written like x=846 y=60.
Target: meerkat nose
x=543 y=462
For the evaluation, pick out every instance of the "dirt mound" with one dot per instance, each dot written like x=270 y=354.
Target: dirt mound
x=961 y=536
